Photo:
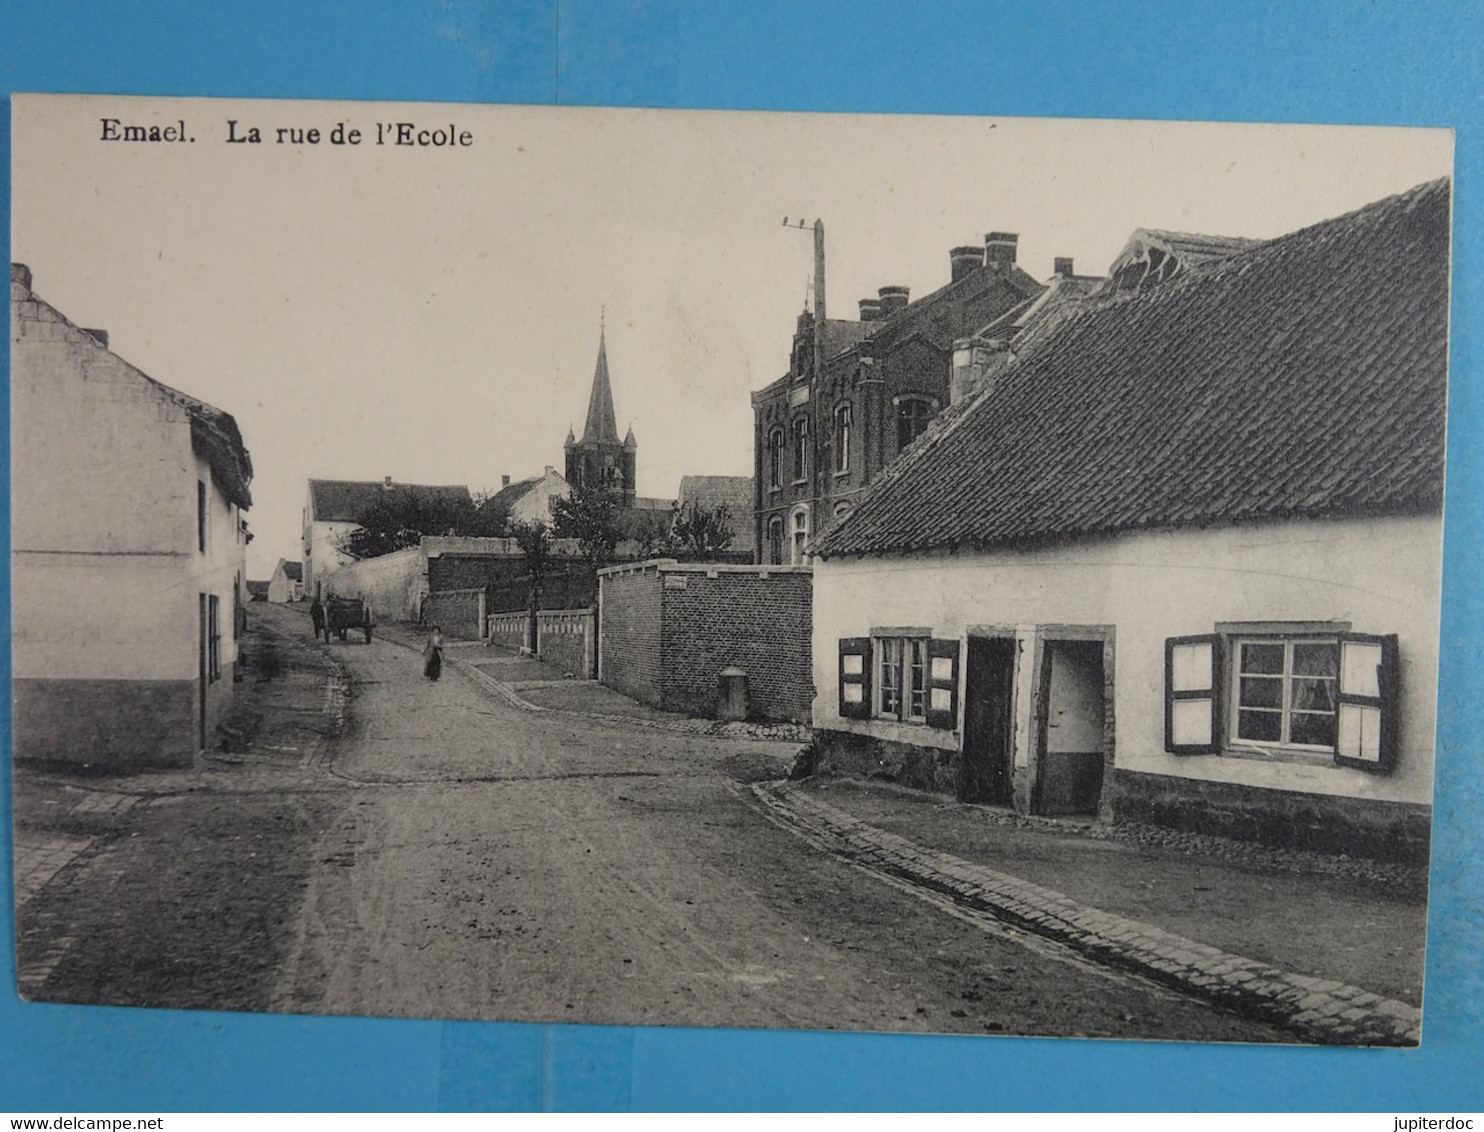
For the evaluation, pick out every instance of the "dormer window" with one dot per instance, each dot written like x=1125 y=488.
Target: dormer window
x=913 y=415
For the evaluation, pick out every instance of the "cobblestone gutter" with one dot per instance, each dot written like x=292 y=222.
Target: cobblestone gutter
x=1321 y=1010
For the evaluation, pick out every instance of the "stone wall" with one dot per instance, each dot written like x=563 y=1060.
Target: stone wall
x=459 y=613
x=395 y=584
x=629 y=630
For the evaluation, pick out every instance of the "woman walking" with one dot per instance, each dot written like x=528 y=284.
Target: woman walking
x=433 y=654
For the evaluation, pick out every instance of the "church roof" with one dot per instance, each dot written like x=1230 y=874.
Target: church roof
x=602 y=425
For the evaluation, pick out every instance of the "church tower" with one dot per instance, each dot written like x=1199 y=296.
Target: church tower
x=600 y=456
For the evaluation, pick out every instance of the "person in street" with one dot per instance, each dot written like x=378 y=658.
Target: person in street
x=433 y=654
x=317 y=616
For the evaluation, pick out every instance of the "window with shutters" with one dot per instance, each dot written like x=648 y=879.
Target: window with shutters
x=1298 y=694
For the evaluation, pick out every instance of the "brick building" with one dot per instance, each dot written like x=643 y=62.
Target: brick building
x=859 y=392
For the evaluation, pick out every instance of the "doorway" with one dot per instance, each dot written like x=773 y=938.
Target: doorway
x=1071 y=716
x=202 y=633
x=989 y=721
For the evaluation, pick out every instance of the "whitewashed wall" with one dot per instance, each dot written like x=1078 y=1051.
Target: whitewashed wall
x=1382 y=576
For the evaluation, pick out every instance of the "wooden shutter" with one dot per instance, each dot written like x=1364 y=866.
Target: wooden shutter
x=1193 y=699
x=1367 y=708
x=855 y=678
x=942 y=685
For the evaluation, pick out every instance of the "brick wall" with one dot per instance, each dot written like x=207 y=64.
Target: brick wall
x=756 y=619
x=566 y=640
x=629 y=634
x=669 y=629
x=509 y=630
x=457 y=613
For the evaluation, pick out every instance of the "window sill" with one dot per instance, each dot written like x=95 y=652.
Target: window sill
x=842 y=474
x=800 y=483
x=1288 y=755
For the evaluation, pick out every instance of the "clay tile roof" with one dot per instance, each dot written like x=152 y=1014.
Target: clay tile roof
x=1301 y=377
x=345 y=501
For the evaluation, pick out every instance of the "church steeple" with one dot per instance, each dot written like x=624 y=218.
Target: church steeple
x=602 y=424
x=600 y=457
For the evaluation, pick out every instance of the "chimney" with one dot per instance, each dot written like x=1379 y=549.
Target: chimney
x=977 y=363
x=98 y=336
x=965 y=261
x=548 y=469
x=504 y=481
x=20 y=273
x=1061 y=265
x=893 y=299
x=999 y=249
x=870 y=310
x=386 y=484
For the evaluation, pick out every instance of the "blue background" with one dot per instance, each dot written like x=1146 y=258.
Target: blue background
x=1339 y=62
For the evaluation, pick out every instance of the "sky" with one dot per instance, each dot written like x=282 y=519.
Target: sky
x=432 y=313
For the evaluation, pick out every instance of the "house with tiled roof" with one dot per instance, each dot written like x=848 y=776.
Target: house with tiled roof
x=1178 y=559
x=857 y=393
x=128 y=550
x=529 y=500
x=334 y=508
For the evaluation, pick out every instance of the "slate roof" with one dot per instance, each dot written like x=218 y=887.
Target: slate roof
x=735 y=491
x=258 y=591
x=1302 y=377
x=345 y=501
x=507 y=496
x=601 y=426
x=293 y=571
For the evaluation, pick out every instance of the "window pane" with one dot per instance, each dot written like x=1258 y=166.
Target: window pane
x=917 y=677
x=1362 y=668
x=1315 y=659
x=1261 y=692
x=1259 y=726
x=1262 y=659
x=942 y=668
x=1191 y=667
x=851 y=693
x=942 y=699
x=1360 y=732
x=1190 y=723
x=852 y=664
x=1313 y=694
x=1311 y=729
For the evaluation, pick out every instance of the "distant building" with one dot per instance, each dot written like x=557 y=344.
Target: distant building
x=334 y=508
x=128 y=546
x=1177 y=561
x=257 y=591
x=600 y=457
x=735 y=493
x=287 y=583
x=530 y=500
x=858 y=393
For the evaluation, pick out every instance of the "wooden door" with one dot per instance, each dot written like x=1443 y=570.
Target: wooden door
x=989 y=720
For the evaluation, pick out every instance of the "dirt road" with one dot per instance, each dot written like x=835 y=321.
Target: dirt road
x=491 y=863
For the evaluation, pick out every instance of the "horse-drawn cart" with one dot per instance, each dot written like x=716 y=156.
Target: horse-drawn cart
x=342 y=614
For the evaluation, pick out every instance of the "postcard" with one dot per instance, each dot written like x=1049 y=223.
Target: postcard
x=686 y=568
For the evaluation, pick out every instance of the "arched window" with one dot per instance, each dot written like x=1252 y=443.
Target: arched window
x=913 y=414
x=842 y=437
x=801 y=449
x=799 y=536
x=775 y=542
x=775 y=458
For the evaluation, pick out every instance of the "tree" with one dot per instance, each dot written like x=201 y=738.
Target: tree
x=590 y=515
x=401 y=517
x=700 y=532
x=534 y=540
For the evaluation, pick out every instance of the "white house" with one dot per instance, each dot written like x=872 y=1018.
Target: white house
x=128 y=547
x=287 y=583
x=530 y=500
x=333 y=510
x=1180 y=562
